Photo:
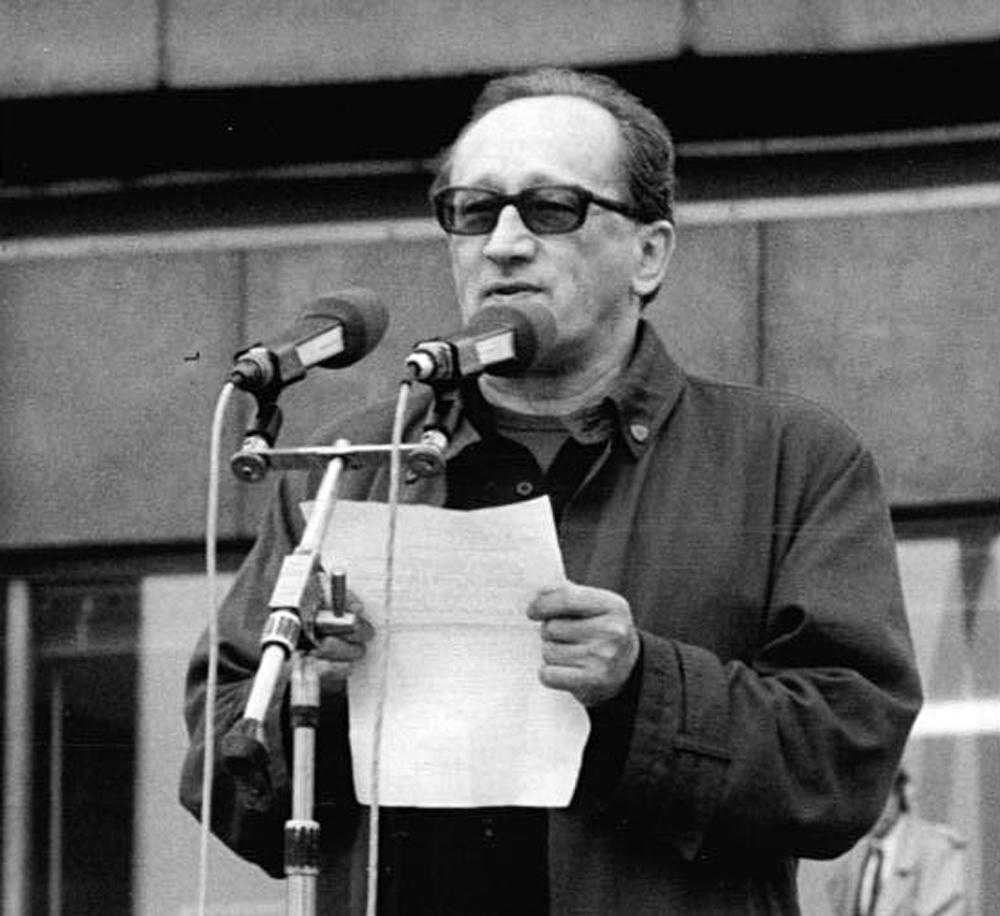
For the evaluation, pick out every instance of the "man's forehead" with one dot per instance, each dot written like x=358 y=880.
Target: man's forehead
x=542 y=132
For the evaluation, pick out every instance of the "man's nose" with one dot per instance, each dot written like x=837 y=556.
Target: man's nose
x=510 y=238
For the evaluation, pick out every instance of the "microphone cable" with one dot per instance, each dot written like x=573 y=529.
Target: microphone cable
x=395 y=462
x=212 y=613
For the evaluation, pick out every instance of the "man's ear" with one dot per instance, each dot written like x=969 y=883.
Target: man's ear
x=654 y=246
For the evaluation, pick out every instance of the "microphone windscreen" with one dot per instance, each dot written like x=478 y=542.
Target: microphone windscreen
x=533 y=326
x=362 y=317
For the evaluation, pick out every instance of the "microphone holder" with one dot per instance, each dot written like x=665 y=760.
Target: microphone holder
x=258 y=456
x=256 y=459
x=259 y=437
x=439 y=428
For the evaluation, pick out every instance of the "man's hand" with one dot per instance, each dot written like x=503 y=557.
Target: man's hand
x=336 y=654
x=589 y=641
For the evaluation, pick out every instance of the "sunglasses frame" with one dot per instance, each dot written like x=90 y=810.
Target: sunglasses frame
x=523 y=198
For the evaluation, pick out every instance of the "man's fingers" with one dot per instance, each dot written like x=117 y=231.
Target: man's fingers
x=359 y=632
x=572 y=600
x=340 y=649
x=560 y=629
x=588 y=639
x=363 y=631
x=576 y=681
x=571 y=654
x=332 y=671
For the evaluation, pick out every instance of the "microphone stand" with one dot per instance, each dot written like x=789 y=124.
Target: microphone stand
x=306 y=605
x=300 y=594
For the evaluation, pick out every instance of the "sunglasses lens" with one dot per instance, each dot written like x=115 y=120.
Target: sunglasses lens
x=467 y=211
x=553 y=210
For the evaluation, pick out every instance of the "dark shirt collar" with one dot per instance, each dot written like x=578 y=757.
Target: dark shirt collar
x=640 y=400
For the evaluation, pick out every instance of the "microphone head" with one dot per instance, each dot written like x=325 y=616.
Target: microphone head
x=534 y=331
x=362 y=317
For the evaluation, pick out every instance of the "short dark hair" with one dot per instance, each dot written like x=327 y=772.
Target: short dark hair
x=899 y=784
x=648 y=160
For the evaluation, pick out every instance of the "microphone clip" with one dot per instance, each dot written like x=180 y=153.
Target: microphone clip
x=464 y=356
x=250 y=463
x=427 y=457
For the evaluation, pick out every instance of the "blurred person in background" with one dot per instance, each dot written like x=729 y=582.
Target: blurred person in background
x=906 y=866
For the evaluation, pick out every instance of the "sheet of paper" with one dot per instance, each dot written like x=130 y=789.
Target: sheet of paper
x=466 y=722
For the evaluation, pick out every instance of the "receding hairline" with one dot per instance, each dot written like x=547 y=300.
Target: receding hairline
x=447 y=159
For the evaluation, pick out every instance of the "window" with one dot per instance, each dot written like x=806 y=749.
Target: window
x=72 y=672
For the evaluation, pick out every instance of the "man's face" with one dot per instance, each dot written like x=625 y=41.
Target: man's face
x=583 y=277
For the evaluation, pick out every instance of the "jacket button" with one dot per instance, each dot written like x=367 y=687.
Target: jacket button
x=525 y=488
x=639 y=431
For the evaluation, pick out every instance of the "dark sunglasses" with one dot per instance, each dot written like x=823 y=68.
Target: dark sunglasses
x=545 y=210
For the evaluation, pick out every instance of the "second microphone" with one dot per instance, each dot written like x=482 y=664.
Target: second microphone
x=499 y=339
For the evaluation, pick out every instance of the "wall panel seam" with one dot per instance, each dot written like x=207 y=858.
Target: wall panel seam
x=698 y=213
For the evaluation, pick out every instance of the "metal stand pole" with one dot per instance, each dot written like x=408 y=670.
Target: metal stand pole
x=302 y=860
x=297 y=592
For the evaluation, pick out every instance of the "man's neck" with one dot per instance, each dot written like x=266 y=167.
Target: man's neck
x=558 y=394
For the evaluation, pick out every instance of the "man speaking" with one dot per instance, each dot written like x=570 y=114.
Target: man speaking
x=731 y=619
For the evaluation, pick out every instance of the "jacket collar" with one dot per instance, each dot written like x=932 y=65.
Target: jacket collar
x=646 y=392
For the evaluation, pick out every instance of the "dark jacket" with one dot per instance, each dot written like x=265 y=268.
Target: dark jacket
x=749 y=534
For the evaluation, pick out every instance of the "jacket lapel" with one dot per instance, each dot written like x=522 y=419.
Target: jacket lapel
x=842 y=888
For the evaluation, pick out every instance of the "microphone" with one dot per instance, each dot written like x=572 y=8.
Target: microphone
x=500 y=339
x=332 y=331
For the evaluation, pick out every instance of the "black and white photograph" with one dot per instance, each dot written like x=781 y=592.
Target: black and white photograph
x=500 y=459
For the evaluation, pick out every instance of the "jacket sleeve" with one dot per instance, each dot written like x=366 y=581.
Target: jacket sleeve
x=792 y=751
x=252 y=828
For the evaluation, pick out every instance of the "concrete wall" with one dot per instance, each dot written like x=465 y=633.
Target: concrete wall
x=893 y=320
x=110 y=361
x=51 y=46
